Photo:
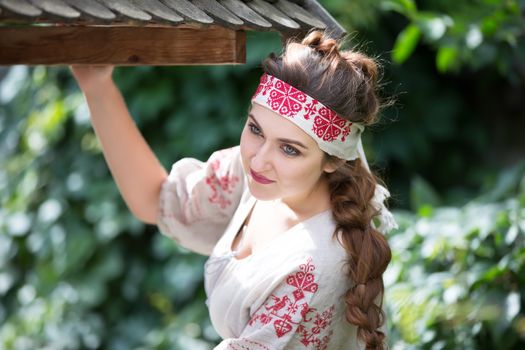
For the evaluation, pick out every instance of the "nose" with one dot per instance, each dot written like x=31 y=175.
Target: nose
x=261 y=160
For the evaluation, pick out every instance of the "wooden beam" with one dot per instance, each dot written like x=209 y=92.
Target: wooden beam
x=127 y=46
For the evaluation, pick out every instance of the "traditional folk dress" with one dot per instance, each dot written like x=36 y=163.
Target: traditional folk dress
x=289 y=295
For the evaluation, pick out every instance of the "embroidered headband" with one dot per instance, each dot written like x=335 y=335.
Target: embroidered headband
x=334 y=135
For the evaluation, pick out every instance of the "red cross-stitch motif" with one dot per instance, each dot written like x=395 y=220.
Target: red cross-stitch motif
x=246 y=344
x=310 y=335
x=224 y=183
x=264 y=85
x=285 y=99
x=329 y=126
x=310 y=109
x=283 y=310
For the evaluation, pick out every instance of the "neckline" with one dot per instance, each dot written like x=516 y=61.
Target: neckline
x=233 y=253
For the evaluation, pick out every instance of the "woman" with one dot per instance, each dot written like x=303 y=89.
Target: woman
x=296 y=260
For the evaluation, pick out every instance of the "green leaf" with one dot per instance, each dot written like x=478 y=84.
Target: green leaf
x=447 y=58
x=406 y=7
x=405 y=43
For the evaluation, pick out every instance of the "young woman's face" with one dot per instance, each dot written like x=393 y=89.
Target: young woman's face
x=281 y=161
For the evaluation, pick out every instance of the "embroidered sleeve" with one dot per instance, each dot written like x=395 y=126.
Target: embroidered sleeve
x=292 y=317
x=198 y=199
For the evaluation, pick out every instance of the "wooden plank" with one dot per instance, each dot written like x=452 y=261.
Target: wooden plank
x=127 y=46
x=299 y=14
x=92 y=8
x=190 y=11
x=159 y=10
x=275 y=16
x=21 y=7
x=57 y=8
x=219 y=13
x=247 y=14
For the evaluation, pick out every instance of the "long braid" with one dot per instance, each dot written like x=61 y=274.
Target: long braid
x=351 y=188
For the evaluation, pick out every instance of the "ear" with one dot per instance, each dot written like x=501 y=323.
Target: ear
x=332 y=164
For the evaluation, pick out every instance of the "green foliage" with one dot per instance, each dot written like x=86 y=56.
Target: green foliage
x=406 y=43
x=474 y=33
x=456 y=280
x=464 y=34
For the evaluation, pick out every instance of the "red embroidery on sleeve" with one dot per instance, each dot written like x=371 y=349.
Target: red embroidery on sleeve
x=282 y=309
x=310 y=335
x=246 y=344
x=224 y=183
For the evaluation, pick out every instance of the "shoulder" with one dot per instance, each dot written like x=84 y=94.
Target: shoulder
x=319 y=241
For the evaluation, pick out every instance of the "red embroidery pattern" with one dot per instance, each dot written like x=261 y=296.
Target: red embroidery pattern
x=224 y=183
x=310 y=109
x=285 y=99
x=328 y=126
x=320 y=322
x=282 y=310
x=264 y=85
x=246 y=344
x=288 y=101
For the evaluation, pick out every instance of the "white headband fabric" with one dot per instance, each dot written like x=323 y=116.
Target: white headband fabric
x=335 y=135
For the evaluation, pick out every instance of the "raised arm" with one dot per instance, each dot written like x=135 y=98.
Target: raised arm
x=135 y=168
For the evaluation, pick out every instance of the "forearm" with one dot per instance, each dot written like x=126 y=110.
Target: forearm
x=134 y=166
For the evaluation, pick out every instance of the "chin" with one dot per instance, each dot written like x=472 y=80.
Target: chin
x=260 y=193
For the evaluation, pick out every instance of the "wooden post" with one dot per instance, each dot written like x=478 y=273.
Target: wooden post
x=129 y=46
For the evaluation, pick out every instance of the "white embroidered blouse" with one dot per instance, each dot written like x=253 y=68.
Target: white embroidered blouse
x=288 y=295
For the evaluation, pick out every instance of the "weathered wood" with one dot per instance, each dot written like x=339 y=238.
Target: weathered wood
x=299 y=14
x=21 y=7
x=126 y=9
x=275 y=16
x=332 y=26
x=158 y=10
x=298 y=2
x=57 y=8
x=189 y=10
x=247 y=14
x=92 y=8
x=121 y=46
x=219 y=13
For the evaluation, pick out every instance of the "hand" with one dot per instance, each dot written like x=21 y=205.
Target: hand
x=92 y=77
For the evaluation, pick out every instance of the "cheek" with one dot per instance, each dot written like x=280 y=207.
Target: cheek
x=299 y=173
x=247 y=145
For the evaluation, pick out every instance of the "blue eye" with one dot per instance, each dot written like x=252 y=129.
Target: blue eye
x=254 y=129
x=289 y=150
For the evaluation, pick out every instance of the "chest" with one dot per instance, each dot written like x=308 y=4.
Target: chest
x=262 y=226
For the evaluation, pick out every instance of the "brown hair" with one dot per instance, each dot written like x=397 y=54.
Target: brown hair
x=346 y=82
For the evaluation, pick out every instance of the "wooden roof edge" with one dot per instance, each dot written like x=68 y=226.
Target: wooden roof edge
x=333 y=28
x=129 y=46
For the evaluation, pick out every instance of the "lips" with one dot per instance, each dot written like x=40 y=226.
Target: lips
x=260 y=179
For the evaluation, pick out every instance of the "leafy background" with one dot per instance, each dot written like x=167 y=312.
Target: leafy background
x=77 y=271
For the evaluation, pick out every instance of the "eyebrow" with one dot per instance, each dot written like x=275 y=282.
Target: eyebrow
x=284 y=140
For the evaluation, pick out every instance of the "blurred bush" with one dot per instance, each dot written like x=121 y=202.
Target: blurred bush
x=458 y=274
